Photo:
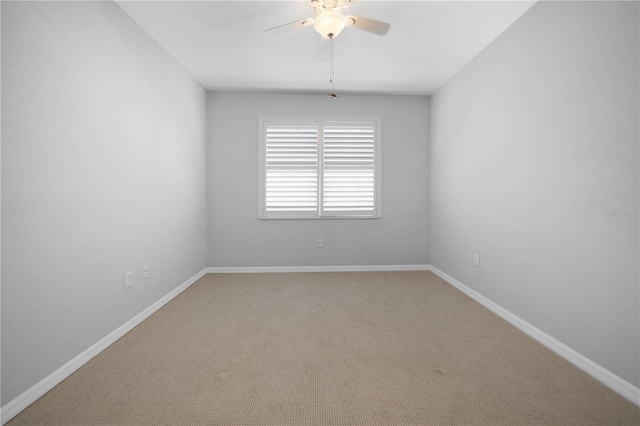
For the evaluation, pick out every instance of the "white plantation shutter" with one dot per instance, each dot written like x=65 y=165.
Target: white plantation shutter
x=315 y=169
x=348 y=172
x=291 y=179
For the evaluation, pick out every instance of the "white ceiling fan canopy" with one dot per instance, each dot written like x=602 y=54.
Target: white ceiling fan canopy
x=322 y=5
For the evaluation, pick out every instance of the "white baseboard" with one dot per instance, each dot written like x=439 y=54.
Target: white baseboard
x=604 y=376
x=338 y=268
x=13 y=408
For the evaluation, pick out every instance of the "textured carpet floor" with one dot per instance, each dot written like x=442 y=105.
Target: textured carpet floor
x=365 y=348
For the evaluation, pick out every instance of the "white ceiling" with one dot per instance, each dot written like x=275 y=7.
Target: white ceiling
x=223 y=45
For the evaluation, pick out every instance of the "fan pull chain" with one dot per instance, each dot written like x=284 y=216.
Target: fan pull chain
x=331 y=69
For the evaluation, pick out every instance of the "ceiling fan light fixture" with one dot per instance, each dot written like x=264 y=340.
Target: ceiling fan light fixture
x=329 y=23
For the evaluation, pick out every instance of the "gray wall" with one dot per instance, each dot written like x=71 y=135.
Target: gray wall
x=103 y=171
x=238 y=238
x=531 y=143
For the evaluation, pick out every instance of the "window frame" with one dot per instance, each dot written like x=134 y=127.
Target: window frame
x=320 y=123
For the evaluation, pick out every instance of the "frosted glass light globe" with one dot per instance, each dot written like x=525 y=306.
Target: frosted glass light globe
x=329 y=23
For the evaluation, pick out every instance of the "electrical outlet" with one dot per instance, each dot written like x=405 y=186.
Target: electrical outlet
x=128 y=279
x=145 y=272
x=319 y=243
x=476 y=260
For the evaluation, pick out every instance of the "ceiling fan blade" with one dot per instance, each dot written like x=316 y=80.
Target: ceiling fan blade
x=369 y=25
x=287 y=28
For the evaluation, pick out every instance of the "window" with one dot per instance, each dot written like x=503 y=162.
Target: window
x=311 y=169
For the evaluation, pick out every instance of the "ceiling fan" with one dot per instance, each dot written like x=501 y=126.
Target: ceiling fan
x=329 y=21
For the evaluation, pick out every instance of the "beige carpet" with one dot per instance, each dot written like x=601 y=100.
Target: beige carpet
x=370 y=348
